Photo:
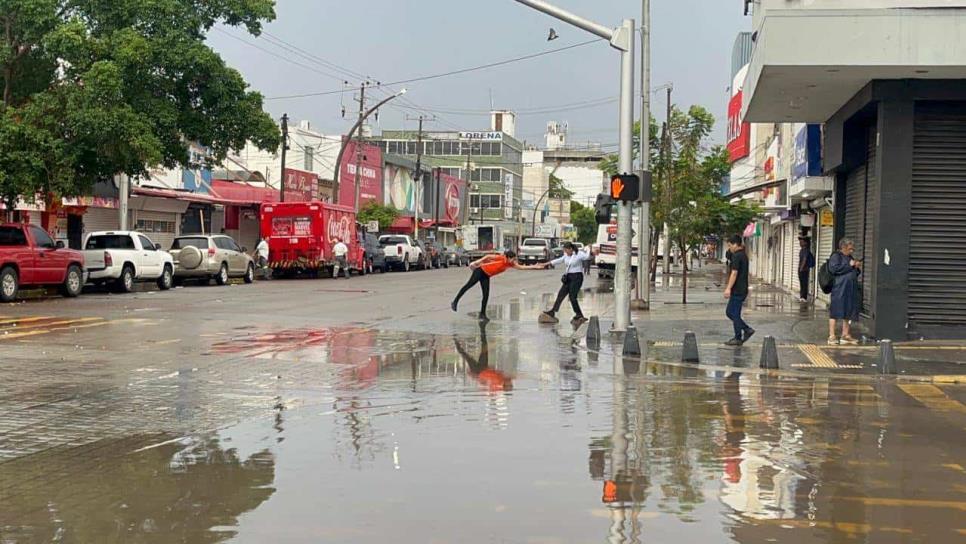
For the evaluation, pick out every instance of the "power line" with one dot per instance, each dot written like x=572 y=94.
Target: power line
x=452 y=72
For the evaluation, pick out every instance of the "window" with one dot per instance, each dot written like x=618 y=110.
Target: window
x=393 y=240
x=455 y=172
x=153 y=226
x=492 y=149
x=487 y=201
x=199 y=242
x=309 y=155
x=41 y=237
x=493 y=175
x=146 y=243
x=411 y=148
x=110 y=241
x=12 y=236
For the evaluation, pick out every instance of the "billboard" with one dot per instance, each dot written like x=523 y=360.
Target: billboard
x=301 y=186
x=370 y=176
x=739 y=133
x=400 y=189
x=452 y=196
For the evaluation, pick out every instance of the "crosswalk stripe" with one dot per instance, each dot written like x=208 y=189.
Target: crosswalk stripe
x=933 y=398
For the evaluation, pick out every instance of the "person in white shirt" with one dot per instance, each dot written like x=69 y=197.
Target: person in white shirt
x=261 y=256
x=572 y=280
x=340 y=250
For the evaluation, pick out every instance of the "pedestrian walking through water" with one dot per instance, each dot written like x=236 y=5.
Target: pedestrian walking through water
x=572 y=280
x=737 y=291
x=484 y=269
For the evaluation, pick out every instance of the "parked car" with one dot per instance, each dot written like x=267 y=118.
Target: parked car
x=454 y=256
x=374 y=255
x=401 y=252
x=215 y=257
x=434 y=257
x=535 y=250
x=30 y=257
x=124 y=257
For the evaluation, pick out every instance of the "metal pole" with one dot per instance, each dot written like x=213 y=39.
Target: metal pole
x=622 y=275
x=669 y=185
x=419 y=174
x=348 y=138
x=281 y=185
x=362 y=111
x=123 y=190
x=436 y=204
x=568 y=17
x=644 y=221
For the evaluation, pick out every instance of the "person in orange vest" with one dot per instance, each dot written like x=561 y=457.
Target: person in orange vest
x=484 y=269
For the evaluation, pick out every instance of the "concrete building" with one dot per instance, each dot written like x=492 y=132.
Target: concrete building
x=886 y=79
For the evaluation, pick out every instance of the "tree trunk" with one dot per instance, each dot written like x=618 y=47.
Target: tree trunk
x=684 y=277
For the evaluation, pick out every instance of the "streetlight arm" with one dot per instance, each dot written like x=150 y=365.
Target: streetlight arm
x=533 y=223
x=567 y=17
x=355 y=127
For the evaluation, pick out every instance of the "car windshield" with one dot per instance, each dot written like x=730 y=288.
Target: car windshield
x=110 y=241
x=534 y=242
x=199 y=242
x=392 y=240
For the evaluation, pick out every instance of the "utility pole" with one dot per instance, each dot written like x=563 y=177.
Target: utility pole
x=644 y=220
x=419 y=171
x=622 y=39
x=281 y=186
x=362 y=117
x=436 y=204
x=668 y=172
x=123 y=190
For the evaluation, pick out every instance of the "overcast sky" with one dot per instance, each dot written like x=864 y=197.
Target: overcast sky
x=394 y=40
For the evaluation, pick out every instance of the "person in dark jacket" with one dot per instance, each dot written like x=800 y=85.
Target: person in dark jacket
x=806 y=262
x=845 y=291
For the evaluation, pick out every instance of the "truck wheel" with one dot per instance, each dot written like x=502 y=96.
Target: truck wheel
x=250 y=273
x=222 y=277
x=167 y=278
x=73 y=282
x=125 y=283
x=9 y=284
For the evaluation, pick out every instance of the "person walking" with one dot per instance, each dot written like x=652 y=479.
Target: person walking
x=806 y=262
x=340 y=250
x=484 y=269
x=845 y=291
x=572 y=280
x=737 y=291
x=261 y=258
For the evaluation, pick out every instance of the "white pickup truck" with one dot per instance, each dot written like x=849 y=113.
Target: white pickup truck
x=125 y=257
x=401 y=252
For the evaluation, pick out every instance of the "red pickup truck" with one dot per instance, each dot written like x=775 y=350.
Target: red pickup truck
x=30 y=257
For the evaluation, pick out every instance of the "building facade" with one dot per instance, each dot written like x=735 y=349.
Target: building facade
x=886 y=80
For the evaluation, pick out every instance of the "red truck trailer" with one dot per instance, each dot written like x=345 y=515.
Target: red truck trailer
x=300 y=236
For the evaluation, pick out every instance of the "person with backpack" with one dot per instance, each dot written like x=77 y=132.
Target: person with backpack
x=806 y=262
x=845 y=271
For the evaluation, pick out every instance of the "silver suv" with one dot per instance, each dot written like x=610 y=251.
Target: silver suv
x=215 y=257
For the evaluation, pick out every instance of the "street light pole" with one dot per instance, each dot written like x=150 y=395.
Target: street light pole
x=644 y=220
x=622 y=39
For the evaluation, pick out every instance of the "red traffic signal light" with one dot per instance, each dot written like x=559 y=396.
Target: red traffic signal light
x=625 y=187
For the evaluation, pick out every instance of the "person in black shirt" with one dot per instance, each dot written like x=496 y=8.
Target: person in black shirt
x=737 y=291
x=806 y=262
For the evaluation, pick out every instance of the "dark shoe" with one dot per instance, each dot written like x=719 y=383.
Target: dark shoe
x=749 y=332
x=483 y=318
x=577 y=320
x=734 y=342
x=453 y=305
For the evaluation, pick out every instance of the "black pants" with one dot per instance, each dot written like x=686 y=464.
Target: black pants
x=570 y=288
x=478 y=276
x=803 y=281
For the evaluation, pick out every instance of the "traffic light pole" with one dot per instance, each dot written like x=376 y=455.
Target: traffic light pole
x=643 y=301
x=622 y=39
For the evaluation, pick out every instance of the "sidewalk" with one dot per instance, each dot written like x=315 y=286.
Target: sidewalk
x=799 y=329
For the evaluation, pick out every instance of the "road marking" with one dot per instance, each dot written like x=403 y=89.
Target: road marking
x=37 y=324
x=933 y=398
x=78 y=324
x=920 y=503
x=853 y=529
x=15 y=321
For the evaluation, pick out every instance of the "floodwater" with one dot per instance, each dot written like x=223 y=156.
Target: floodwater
x=491 y=436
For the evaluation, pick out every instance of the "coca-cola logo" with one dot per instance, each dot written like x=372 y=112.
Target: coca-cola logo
x=340 y=227
x=452 y=202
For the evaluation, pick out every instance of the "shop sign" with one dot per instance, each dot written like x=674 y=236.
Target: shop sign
x=482 y=136
x=370 y=175
x=826 y=218
x=739 y=133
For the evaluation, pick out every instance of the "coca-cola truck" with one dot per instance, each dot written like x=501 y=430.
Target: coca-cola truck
x=301 y=235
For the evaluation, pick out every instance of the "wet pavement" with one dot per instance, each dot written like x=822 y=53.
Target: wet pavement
x=365 y=411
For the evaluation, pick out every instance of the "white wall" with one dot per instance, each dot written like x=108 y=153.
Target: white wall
x=536 y=178
x=585 y=181
x=324 y=151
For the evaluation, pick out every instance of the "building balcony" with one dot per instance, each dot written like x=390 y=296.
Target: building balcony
x=808 y=61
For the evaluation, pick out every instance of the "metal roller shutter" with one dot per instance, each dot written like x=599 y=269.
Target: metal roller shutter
x=825 y=245
x=869 y=254
x=788 y=257
x=99 y=219
x=160 y=227
x=937 y=256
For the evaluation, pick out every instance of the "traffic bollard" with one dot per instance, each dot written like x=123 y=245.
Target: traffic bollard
x=769 y=354
x=593 y=333
x=887 y=357
x=632 y=346
x=689 y=354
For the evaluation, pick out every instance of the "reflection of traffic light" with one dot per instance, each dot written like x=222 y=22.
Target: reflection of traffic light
x=625 y=488
x=625 y=187
x=602 y=208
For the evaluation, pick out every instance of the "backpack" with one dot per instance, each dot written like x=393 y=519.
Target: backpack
x=825 y=279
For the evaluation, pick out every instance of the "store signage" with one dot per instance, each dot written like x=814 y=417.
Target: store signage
x=826 y=218
x=484 y=136
x=739 y=133
x=508 y=196
x=808 y=152
x=300 y=186
x=370 y=175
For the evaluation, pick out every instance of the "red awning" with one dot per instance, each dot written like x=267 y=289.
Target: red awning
x=187 y=196
x=402 y=224
x=241 y=192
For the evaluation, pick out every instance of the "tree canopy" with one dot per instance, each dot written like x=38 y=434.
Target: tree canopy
x=584 y=219
x=373 y=211
x=101 y=87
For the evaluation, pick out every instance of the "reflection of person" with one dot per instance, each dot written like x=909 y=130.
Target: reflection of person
x=572 y=280
x=340 y=250
x=484 y=269
x=845 y=291
x=479 y=367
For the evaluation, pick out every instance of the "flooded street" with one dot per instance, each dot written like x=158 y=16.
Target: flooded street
x=509 y=432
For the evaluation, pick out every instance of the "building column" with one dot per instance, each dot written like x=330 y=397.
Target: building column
x=894 y=154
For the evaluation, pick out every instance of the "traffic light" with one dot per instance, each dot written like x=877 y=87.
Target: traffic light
x=625 y=187
x=602 y=208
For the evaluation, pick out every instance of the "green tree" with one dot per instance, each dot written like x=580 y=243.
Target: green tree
x=558 y=190
x=584 y=220
x=97 y=88
x=373 y=211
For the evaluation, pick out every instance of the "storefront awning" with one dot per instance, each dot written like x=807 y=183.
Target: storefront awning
x=187 y=196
